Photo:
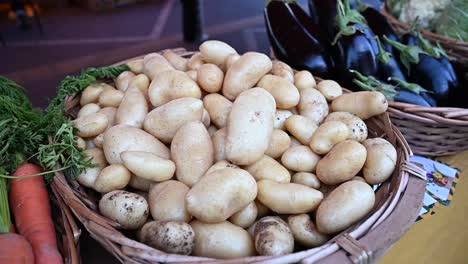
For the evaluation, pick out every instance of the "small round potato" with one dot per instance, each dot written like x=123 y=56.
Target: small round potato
x=195 y=62
x=304 y=80
x=99 y=140
x=328 y=135
x=192 y=74
x=279 y=143
x=330 y=89
x=177 y=61
x=123 y=80
x=313 y=105
x=273 y=237
x=305 y=232
x=280 y=118
x=222 y=164
x=110 y=113
x=300 y=158
x=246 y=216
x=381 y=160
x=357 y=129
x=285 y=93
x=91 y=125
x=148 y=165
x=283 y=70
x=219 y=144
x=230 y=61
x=133 y=108
x=210 y=78
x=344 y=206
x=155 y=63
x=92 y=92
x=218 y=107
x=221 y=240
x=364 y=104
x=342 y=163
x=216 y=52
x=113 y=177
x=288 y=198
x=307 y=179
x=269 y=169
x=301 y=128
x=89 y=176
x=171 y=85
x=139 y=183
x=167 y=201
x=88 y=109
x=136 y=66
x=110 y=98
x=128 y=209
x=174 y=237
x=141 y=82
x=220 y=194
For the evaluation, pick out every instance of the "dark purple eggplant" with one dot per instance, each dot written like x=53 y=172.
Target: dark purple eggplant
x=388 y=65
x=285 y=31
x=324 y=13
x=379 y=25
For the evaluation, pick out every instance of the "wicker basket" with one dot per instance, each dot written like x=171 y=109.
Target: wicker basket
x=397 y=205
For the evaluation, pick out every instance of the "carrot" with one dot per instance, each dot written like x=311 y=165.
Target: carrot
x=29 y=202
x=15 y=249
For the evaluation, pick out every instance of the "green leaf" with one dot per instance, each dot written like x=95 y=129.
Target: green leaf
x=408 y=54
x=383 y=55
x=414 y=87
x=346 y=19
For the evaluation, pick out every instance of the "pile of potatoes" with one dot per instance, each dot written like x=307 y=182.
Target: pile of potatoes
x=225 y=155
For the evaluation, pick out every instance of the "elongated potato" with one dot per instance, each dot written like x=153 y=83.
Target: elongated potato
x=221 y=240
x=285 y=93
x=363 y=104
x=302 y=128
x=300 y=158
x=220 y=194
x=128 y=209
x=246 y=216
x=89 y=176
x=330 y=89
x=91 y=93
x=344 y=206
x=288 y=198
x=136 y=66
x=88 y=109
x=328 y=135
x=133 y=108
x=342 y=163
x=304 y=80
x=141 y=82
x=164 y=121
x=279 y=143
x=218 y=107
x=178 y=62
x=269 y=169
x=110 y=98
x=123 y=80
x=192 y=152
x=230 y=61
x=169 y=236
x=313 y=105
x=245 y=73
x=222 y=164
x=118 y=139
x=305 y=232
x=140 y=184
x=216 y=52
x=148 y=165
x=113 y=177
x=195 y=61
x=250 y=126
x=210 y=78
x=357 y=129
x=273 y=237
x=219 y=144
x=280 y=118
x=167 y=201
x=90 y=125
x=110 y=113
x=381 y=160
x=155 y=63
x=170 y=85
x=283 y=70
x=307 y=179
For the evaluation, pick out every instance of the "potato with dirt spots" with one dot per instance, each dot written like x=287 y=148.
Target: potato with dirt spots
x=128 y=209
x=167 y=201
x=174 y=237
x=273 y=237
x=381 y=160
x=222 y=164
x=357 y=129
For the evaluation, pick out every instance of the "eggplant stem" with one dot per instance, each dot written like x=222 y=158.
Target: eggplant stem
x=414 y=87
x=344 y=17
x=383 y=55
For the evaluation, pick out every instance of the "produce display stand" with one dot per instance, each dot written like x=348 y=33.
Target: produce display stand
x=398 y=201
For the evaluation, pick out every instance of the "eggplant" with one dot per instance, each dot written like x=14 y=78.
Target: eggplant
x=406 y=96
x=323 y=13
x=286 y=28
x=379 y=25
x=388 y=65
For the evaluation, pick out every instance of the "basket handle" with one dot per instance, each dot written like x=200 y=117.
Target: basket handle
x=360 y=254
x=413 y=169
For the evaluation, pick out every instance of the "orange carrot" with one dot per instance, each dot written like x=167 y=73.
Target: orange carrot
x=15 y=249
x=29 y=202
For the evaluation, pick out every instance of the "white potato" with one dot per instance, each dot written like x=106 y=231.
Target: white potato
x=222 y=164
x=195 y=61
x=91 y=93
x=279 y=143
x=123 y=80
x=313 y=105
x=285 y=93
x=381 y=160
x=302 y=128
x=110 y=113
x=206 y=120
x=219 y=144
x=192 y=74
x=167 y=201
x=210 y=78
x=148 y=165
x=246 y=216
x=218 y=107
x=330 y=89
x=300 y=159
x=270 y=169
x=304 y=80
x=357 y=129
x=307 y=179
x=88 y=109
x=230 y=61
x=113 y=177
x=280 y=118
x=216 y=52
x=283 y=70
x=136 y=66
x=328 y=135
x=99 y=140
x=133 y=108
x=141 y=82
x=128 y=209
x=262 y=210
x=170 y=85
x=212 y=130
x=141 y=184
x=155 y=63
x=305 y=232
x=80 y=143
x=177 y=61
x=89 y=176
x=90 y=125
x=110 y=98
x=364 y=104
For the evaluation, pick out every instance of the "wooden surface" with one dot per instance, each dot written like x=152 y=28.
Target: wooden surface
x=443 y=237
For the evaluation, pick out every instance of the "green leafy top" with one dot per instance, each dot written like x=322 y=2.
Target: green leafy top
x=408 y=54
x=383 y=56
x=426 y=46
x=346 y=19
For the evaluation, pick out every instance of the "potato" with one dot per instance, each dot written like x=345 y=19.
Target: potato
x=344 y=206
x=305 y=232
x=304 y=80
x=219 y=144
x=273 y=237
x=195 y=62
x=216 y=52
x=230 y=61
x=211 y=130
x=155 y=63
x=279 y=143
x=313 y=105
x=328 y=135
x=269 y=169
x=330 y=89
x=357 y=129
x=177 y=61
x=192 y=74
x=285 y=93
x=288 y=198
x=206 y=120
x=110 y=98
x=307 y=179
x=118 y=139
x=113 y=177
x=381 y=160
x=80 y=143
x=136 y=66
x=294 y=142
x=218 y=107
x=221 y=240
x=174 y=237
x=148 y=165
x=192 y=152
x=300 y=158
x=250 y=125
x=170 y=85
x=283 y=70
x=167 y=201
x=128 y=209
x=133 y=108
x=280 y=118
x=91 y=93
x=210 y=78
x=222 y=164
x=99 y=140
x=342 y=163
x=141 y=82
x=89 y=176
x=110 y=113
x=220 y=194
x=88 y=109
x=164 y=121
x=301 y=128
x=139 y=183
x=262 y=210
x=245 y=73
x=90 y=125
x=363 y=104
x=358 y=178
x=246 y=216
x=123 y=80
